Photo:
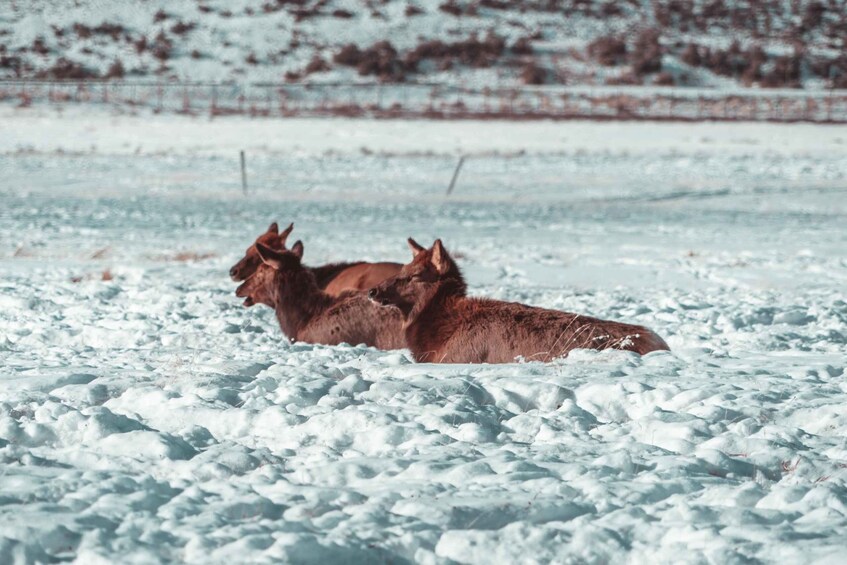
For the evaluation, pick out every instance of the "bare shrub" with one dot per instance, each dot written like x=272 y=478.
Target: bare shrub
x=450 y=7
x=756 y=57
x=646 y=55
x=380 y=59
x=495 y=4
x=112 y=30
x=39 y=47
x=812 y=16
x=82 y=31
x=11 y=62
x=625 y=79
x=140 y=45
x=162 y=47
x=785 y=72
x=691 y=55
x=181 y=28
x=66 y=69
x=533 y=74
x=316 y=65
x=474 y=52
x=302 y=14
x=523 y=46
x=608 y=50
x=664 y=79
x=610 y=9
x=116 y=70
x=349 y=55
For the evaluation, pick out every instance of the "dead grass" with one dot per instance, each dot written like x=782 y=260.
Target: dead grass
x=789 y=466
x=103 y=276
x=185 y=257
x=101 y=253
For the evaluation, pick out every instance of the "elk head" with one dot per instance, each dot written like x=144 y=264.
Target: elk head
x=418 y=281
x=248 y=265
x=260 y=288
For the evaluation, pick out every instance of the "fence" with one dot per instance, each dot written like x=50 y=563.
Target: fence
x=442 y=102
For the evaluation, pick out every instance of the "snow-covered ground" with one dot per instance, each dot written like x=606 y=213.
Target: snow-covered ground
x=150 y=417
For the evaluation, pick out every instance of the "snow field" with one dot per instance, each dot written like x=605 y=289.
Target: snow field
x=150 y=417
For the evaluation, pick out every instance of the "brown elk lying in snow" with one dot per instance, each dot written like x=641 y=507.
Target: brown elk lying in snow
x=307 y=313
x=334 y=278
x=443 y=325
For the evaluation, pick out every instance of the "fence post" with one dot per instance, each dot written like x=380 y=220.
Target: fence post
x=186 y=104
x=455 y=175
x=243 y=173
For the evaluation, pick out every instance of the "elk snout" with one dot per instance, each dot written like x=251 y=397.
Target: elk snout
x=233 y=273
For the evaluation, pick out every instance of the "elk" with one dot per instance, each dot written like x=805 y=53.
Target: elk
x=444 y=325
x=307 y=313
x=334 y=278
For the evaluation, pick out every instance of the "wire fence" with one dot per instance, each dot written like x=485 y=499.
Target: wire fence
x=435 y=101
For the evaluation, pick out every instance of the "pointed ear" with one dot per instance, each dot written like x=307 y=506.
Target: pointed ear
x=269 y=257
x=415 y=247
x=284 y=235
x=273 y=228
x=297 y=249
x=440 y=259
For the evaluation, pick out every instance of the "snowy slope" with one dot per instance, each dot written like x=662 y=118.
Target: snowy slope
x=150 y=417
x=551 y=42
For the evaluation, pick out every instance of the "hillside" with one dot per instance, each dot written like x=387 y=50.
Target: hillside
x=479 y=43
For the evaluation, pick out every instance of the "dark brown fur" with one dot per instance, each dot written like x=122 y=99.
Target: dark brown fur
x=307 y=313
x=443 y=325
x=335 y=278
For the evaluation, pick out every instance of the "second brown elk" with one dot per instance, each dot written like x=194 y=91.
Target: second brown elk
x=334 y=278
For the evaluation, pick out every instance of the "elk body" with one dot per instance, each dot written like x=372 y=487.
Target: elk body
x=334 y=278
x=307 y=313
x=444 y=325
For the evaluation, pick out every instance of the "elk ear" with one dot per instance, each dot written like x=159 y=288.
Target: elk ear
x=297 y=249
x=415 y=247
x=285 y=233
x=273 y=228
x=440 y=259
x=269 y=257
